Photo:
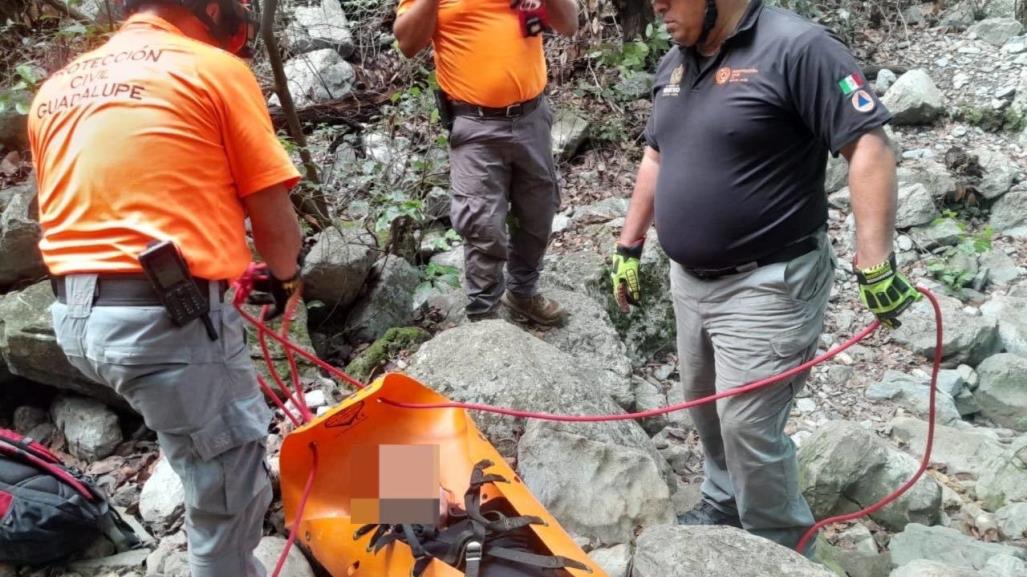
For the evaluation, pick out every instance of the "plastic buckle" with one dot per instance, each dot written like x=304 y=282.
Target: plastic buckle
x=473 y=551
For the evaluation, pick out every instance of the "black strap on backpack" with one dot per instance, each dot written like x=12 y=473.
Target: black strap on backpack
x=472 y=536
x=50 y=510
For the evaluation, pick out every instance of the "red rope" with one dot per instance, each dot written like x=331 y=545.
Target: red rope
x=299 y=513
x=244 y=285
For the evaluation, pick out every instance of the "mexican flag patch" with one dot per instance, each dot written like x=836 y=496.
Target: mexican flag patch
x=851 y=83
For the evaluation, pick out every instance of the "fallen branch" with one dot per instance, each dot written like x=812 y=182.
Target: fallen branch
x=352 y=110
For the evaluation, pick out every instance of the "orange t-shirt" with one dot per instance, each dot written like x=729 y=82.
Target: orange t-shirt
x=481 y=55
x=153 y=136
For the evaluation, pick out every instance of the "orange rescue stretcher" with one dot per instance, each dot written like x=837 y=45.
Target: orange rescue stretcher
x=326 y=530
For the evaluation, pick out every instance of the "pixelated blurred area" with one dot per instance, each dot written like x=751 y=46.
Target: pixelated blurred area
x=395 y=484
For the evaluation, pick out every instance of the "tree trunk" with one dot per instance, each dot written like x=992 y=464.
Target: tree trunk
x=633 y=15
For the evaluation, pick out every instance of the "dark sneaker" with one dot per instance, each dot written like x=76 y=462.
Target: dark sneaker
x=537 y=309
x=491 y=314
x=706 y=514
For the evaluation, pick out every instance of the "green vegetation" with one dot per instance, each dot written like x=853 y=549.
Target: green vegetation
x=391 y=344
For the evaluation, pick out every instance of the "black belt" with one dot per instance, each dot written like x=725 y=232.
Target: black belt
x=127 y=290
x=518 y=109
x=794 y=250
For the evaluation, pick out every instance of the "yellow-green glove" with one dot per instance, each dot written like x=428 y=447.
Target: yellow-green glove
x=884 y=291
x=624 y=274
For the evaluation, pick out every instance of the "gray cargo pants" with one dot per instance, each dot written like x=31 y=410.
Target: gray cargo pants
x=502 y=170
x=202 y=399
x=735 y=330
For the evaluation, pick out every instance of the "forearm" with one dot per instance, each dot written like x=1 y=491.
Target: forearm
x=415 y=27
x=276 y=231
x=872 y=186
x=563 y=16
x=640 y=210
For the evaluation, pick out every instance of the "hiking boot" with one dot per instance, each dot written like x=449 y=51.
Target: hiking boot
x=537 y=309
x=489 y=315
x=705 y=513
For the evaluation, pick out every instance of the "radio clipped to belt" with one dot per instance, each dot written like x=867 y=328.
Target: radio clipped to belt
x=169 y=274
x=533 y=16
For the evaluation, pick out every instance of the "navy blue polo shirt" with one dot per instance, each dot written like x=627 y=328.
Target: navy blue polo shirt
x=743 y=137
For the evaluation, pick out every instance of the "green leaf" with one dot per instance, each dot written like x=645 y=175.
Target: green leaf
x=22 y=107
x=26 y=73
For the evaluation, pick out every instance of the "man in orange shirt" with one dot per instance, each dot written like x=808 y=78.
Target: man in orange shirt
x=162 y=135
x=492 y=71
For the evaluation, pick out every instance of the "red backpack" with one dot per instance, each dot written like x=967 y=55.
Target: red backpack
x=49 y=511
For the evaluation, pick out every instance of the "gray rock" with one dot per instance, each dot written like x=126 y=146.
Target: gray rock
x=569 y=131
x=966 y=339
x=675 y=551
x=1000 y=172
x=583 y=272
x=914 y=394
x=959 y=17
x=318 y=76
x=20 y=259
x=996 y=31
x=837 y=173
x=162 y=501
x=14 y=130
x=914 y=99
x=170 y=558
x=605 y=210
x=915 y=206
x=1011 y=315
x=1005 y=566
x=392 y=153
x=962 y=451
x=859 y=538
x=1009 y=214
x=320 y=27
x=390 y=302
x=338 y=264
x=589 y=337
x=929 y=173
x=116 y=564
x=296 y=565
x=1012 y=521
x=856 y=563
x=614 y=561
x=941 y=232
x=947 y=546
x=600 y=480
x=925 y=568
x=843 y=466
x=885 y=78
x=91 y=429
x=1002 y=393
x=951 y=382
x=998 y=8
x=1002 y=270
x=1017 y=45
x=27 y=418
x=1005 y=481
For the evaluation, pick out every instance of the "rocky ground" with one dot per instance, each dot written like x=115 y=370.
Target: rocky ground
x=954 y=79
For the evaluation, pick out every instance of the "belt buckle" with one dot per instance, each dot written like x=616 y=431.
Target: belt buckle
x=520 y=109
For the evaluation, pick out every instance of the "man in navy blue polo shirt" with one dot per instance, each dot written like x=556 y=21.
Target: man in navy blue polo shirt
x=746 y=108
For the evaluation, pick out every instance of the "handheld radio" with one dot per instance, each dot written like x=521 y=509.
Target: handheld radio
x=174 y=285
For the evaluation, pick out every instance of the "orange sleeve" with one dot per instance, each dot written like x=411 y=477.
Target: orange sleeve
x=256 y=158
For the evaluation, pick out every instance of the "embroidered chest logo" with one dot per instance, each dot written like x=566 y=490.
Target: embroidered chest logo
x=728 y=75
x=673 y=87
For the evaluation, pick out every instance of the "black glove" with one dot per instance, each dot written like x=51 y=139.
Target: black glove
x=267 y=289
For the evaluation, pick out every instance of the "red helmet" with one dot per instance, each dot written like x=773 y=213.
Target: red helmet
x=237 y=31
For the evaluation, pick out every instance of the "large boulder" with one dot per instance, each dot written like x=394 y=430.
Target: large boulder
x=1002 y=270
x=947 y=546
x=318 y=27
x=925 y=568
x=1009 y=214
x=914 y=394
x=30 y=350
x=914 y=99
x=318 y=76
x=1011 y=314
x=91 y=429
x=20 y=259
x=1002 y=393
x=962 y=451
x=701 y=551
x=589 y=337
x=844 y=467
x=1012 y=521
x=569 y=131
x=996 y=31
x=600 y=480
x=389 y=303
x=915 y=206
x=1000 y=172
x=336 y=267
x=966 y=339
x=1005 y=481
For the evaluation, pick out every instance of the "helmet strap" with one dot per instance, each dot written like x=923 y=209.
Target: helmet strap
x=709 y=21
